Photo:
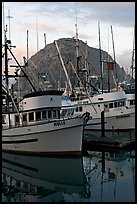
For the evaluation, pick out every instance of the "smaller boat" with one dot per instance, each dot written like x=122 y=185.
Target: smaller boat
x=117 y=116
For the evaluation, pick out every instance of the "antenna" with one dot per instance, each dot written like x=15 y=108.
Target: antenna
x=27 y=46
x=45 y=39
x=100 y=56
x=9 y=17
x=3 y=19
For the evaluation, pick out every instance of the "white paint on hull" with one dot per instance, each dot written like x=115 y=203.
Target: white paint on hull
x=48 y=138
x=123 y=121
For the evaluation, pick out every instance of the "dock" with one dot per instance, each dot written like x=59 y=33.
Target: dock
x=122 y=141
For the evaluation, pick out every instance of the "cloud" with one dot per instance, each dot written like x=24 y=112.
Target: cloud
x=57 y=20
x=119 y=13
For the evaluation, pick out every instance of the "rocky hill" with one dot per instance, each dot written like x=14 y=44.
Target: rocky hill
x=45 y=68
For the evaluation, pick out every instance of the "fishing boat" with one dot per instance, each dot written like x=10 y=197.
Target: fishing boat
x=114 y=103
x=117 y=116
x=36 y=178
x=34 y=124
x=108 y=110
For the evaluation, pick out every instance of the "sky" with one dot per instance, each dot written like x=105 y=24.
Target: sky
x=58 y=20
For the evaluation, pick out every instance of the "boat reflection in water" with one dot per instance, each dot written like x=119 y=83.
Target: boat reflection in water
x=29 y=178
x=96 y=177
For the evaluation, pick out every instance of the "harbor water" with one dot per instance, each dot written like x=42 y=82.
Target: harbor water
x=96 y=177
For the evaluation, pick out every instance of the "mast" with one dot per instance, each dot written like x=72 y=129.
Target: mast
x=77 y=48
x=9 y=17
x=27 y=46
x=133 y=53
x=100 y=54
x=45 y=39
x=114 y=57
x=6 y=73
x=68 y=80
x=86 y=67
x=108 y=69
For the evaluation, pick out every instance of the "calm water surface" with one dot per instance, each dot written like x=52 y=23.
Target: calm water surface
x=98 y=177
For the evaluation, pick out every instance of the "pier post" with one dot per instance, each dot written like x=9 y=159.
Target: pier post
x=102 y=124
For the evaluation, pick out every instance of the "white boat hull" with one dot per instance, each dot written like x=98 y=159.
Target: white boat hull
x=60 y=137
x=124 y=120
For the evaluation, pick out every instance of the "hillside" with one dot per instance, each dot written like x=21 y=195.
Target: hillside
x=45 y=69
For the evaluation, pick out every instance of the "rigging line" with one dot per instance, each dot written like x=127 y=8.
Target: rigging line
x=22 y=70
x=114 y=56
x=48 y=70
x=63 y=66
x=83 y=86
x=6 y=89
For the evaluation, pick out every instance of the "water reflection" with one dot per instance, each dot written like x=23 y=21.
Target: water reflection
x=114 y=178
x=98 y=177
x=42 y=178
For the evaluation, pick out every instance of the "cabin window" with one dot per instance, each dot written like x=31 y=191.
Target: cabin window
x=80 y=108
x=31 y=116
x=76 y=109
x=118 y=104
x=3 y=119
x=111 y=105
x=123 y=103
x=24 y=117
x=72 y=112
x=49 y=114
x=54 y=114
x=63 y=113
x=98 y=105
x=17 y=120
x=132 y=102
x=115 y=104
x=100 y=99
x=58 y=113
x=38 y=115
x=84 y=102
x=44 y=115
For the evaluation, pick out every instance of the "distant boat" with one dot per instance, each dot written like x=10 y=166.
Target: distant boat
x=117 y=117
x=43 y=178
x=114 y=103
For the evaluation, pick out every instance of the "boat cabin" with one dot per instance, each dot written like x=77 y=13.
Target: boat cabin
x=35 y=107
x=100 y=102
